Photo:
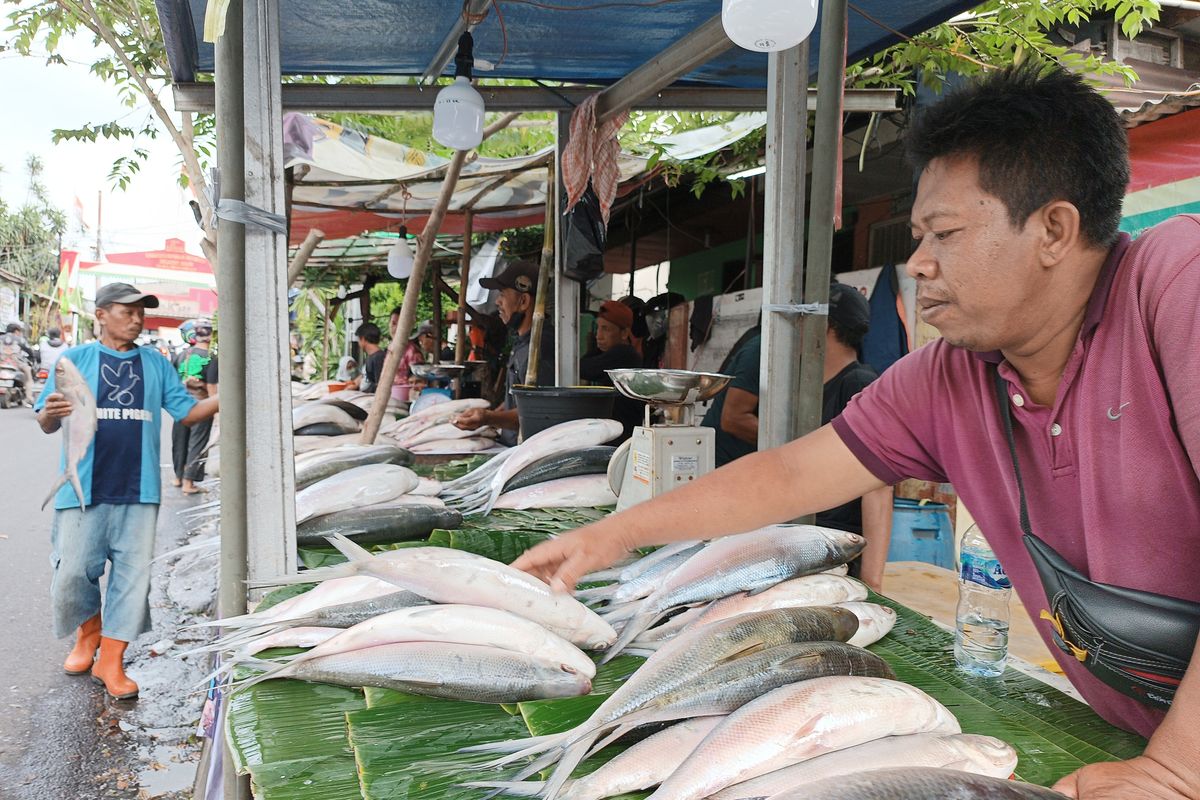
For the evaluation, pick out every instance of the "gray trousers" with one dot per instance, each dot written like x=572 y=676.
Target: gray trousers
x=187 y=449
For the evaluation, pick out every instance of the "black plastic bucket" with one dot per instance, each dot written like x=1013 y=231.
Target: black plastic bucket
x=541 y=408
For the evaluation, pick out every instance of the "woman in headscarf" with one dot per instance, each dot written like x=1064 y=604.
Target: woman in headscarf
x=347 y=369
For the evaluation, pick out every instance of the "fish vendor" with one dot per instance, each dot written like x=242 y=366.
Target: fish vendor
x=614 y=350
x=516 y=284
x=1062 y=401
x=119 y=476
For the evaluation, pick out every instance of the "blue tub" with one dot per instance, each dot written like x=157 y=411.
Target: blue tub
x=922 y=533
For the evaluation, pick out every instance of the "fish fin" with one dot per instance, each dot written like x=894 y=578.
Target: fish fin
x=58 y=484
x=535 y=745
x=350 y=549
x=749 y=648
x=630 y=632
x=759 y=590
x=517 y=788
x=566 y=765
x=317 y=575
x=512 y=745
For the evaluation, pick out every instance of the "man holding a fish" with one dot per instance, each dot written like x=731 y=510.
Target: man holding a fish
x=107 y=397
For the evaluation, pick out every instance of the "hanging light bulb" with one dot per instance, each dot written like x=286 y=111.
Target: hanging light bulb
x=768 y=25
x=400 y=257
x=458 y=109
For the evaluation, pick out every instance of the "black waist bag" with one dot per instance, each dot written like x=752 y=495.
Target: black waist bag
x=1139 y=643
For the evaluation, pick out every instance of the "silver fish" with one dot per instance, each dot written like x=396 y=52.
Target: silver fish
x=323 y=464
x=751 y=562
x=577 y=491
x=453 y=671
x=966 y=752
x=919 y=783
x=352 y=488
x=642 y=766
x=679 y=663
x=79 y=427
x=802 y=721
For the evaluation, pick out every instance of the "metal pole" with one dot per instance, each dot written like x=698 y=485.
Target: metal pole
x=270 y=464
x=231 y=274
x=827 y=135
x=543 y=284
x=783 y=248
x=566 y=291
x=408 y=310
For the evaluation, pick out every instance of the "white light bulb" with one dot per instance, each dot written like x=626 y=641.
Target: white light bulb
x=458 y=116
x=768 y=25
x=400 y=260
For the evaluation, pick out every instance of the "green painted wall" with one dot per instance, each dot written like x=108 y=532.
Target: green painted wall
x=700 y=273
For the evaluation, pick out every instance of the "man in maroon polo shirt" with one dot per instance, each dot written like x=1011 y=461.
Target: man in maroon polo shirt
x=1020 y=265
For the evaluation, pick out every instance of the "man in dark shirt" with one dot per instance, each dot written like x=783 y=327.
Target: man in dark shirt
x=734 y=415
x=613 y=350
x=516 y=283
x=368 y=335
x=197 y=367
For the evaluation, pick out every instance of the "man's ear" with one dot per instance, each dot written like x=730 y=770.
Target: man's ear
x=1061 y=231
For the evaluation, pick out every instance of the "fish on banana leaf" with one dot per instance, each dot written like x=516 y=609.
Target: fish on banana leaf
x=324 y=464
x=919 y=783
x=444 y=575
x=751 y=562
x=579 y=491
x=801 y=721
x=966 y=752
x=355 y=487
x=587 y=461
x=393 y=521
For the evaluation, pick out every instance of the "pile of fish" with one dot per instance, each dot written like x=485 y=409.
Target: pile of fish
x=483 y=489
x=427 y=620
x=431 y=430
x=763 y=670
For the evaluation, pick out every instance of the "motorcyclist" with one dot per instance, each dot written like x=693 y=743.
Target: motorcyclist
x=16 y=351
x=52 y=348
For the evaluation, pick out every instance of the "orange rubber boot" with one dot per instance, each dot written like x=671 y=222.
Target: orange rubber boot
x=87 y=639
x=110 y=670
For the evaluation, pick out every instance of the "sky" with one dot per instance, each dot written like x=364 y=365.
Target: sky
x=40 y=97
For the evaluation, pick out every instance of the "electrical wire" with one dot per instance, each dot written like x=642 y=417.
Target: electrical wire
x=503 y=32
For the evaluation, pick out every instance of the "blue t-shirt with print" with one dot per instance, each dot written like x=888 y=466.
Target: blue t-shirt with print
x=131 y=387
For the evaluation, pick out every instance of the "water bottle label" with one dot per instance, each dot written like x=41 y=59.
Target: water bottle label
x=984 y=571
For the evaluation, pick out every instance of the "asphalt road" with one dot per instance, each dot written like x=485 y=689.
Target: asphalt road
x=59 y=738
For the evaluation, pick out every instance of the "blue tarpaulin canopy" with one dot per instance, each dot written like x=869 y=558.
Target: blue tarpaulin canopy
x=586 y=41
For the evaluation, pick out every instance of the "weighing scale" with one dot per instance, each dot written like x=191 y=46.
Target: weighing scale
x=660 y=457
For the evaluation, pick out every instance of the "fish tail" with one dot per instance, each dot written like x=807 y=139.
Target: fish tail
x=540 y=745
x=513 y=745
x=630 y=632
x=566 y=765
x=58 y=484
x=349 y=548
x=317 y=575
x=516 y=788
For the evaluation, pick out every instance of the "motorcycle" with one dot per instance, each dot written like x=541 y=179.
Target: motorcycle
x=12 y=379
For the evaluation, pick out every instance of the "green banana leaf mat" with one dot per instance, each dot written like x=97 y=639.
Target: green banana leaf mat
x=305 y=741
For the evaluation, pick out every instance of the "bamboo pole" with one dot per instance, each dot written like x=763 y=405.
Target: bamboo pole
x=314 y=238
x=464 y=279
x=543 y=284
x=408 y=310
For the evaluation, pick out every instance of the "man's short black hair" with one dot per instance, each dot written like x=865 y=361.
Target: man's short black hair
x=396 y=311
x=368 y=332
x=1039 y=133
x=851 y=336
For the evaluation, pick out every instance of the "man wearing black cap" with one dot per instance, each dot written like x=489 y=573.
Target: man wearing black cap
x=119 y=478
x=734 y=415
x=516 y=283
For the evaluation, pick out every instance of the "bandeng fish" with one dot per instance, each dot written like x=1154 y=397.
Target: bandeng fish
x=79 y=427
x=917 y=783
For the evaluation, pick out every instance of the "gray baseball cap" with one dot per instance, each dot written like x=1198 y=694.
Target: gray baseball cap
x=125 y=294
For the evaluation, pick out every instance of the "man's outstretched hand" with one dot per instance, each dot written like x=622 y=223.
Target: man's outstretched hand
x=563 y=561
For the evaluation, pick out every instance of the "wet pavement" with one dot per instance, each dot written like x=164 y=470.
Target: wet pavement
x=60 y=737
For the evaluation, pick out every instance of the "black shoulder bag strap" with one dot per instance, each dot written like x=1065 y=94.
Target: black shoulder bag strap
x=1139 y=643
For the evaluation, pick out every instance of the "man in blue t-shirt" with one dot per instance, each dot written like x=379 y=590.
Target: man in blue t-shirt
x=119 y=476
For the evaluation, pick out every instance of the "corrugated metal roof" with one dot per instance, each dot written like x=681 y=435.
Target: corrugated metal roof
x=1167 y=106
x=568 y=40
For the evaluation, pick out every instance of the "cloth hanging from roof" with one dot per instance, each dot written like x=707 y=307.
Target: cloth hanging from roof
x=592 y=153
x=886 y=341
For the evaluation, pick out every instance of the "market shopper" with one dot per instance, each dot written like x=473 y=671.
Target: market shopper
x=516 y=283
x=368 y=336
x=420 y=345
x=1020 y=264
x=734 y=416
x=614 y=350
x=197 y=368
x=120 y=479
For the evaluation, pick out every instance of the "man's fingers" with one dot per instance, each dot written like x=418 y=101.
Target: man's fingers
x=570 y=571
x=1068 y=785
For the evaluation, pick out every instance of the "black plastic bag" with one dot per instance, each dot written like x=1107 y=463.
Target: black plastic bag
x=584 y=237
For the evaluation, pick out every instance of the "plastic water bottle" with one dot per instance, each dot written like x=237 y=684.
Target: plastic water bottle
x=981 y=634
